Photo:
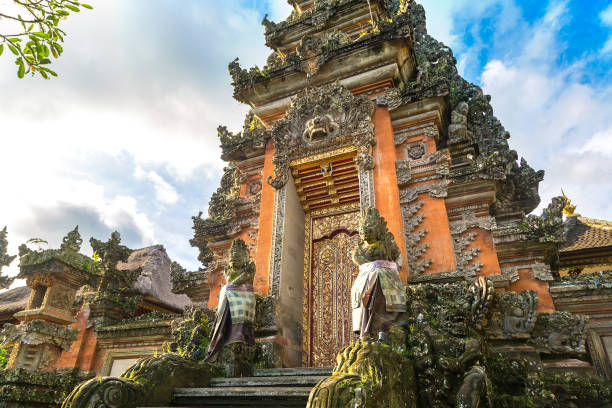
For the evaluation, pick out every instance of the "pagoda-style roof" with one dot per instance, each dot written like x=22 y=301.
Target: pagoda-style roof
x=583 y=233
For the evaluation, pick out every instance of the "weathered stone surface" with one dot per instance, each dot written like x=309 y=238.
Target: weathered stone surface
x=27 y=388
x=36 y=332
x=368 y=374
x=151 y=380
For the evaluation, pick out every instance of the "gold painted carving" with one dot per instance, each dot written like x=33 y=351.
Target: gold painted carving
x=40 y=279
x=312 y=160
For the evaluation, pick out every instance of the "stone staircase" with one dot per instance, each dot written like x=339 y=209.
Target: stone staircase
x=279 y=387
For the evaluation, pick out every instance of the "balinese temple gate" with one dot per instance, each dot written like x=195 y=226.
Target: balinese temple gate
x=346 y=116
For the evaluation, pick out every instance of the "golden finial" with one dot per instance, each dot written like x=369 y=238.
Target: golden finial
x=569 y=208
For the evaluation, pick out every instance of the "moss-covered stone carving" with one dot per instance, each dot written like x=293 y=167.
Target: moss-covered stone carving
x=560 y=333
x=369 y=374
x=447 y=344
x=512 y=315
x=36 y=332
x=108 y=304
x=549 y=226
x=150 y=381
x=191 y=333
x=248 y=142
x=5 y=260
x=27 y=388
x=31 y=262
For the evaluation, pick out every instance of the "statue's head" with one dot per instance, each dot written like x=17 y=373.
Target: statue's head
x=239 y=269
x=373 y=227
x=320 y=126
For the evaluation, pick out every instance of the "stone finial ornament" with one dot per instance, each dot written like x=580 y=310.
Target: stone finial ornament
x=72 y=241
x=5 y=260
x=111 y=252
x=109 y=302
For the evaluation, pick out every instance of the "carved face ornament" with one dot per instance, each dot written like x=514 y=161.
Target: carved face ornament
x=321 y=126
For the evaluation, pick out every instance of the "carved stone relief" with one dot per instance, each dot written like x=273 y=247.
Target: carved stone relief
x=470 y=220
x=402 y=170
x=414 y=251
x=366 y=189
x=436 y=190
x=320 y=119
x=416 y=151
x=253 y=188
x=61 y=297
x=513 y=315
x=277 y=240
x=465 y=255
x=540 y=271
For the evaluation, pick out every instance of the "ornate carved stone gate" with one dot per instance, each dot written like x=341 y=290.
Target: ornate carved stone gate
x=323 y=160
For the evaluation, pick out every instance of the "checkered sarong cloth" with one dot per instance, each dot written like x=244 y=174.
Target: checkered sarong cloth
x=390 y=281
x=241 y=303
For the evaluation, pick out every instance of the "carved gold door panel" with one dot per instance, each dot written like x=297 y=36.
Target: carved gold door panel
x=331 y=272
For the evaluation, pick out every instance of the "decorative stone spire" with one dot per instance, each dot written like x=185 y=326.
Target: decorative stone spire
x=72 y=241
x=110 y=251
x=109 y=303
x=5 y=260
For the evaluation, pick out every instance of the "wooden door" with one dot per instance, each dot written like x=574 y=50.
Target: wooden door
x=331 y=276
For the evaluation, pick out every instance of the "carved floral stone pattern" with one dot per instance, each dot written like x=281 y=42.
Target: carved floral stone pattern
x=416 y=151
x=413 y=236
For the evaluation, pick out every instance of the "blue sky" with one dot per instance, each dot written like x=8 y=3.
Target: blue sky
x=126 y=139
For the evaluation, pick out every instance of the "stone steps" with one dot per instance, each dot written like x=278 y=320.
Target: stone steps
x=279 y=387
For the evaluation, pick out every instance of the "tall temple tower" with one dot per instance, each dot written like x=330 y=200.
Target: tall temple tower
x=358 y=106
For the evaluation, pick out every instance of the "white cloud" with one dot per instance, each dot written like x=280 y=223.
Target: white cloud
x=606 y=20
x=129 y=124
x=558 y=122
x=164 y=192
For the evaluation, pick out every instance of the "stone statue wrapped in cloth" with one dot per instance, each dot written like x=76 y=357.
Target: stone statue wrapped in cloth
x=378 y=295
x=233 y=336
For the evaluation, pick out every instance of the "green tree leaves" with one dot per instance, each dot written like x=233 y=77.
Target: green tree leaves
x=36 y=37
